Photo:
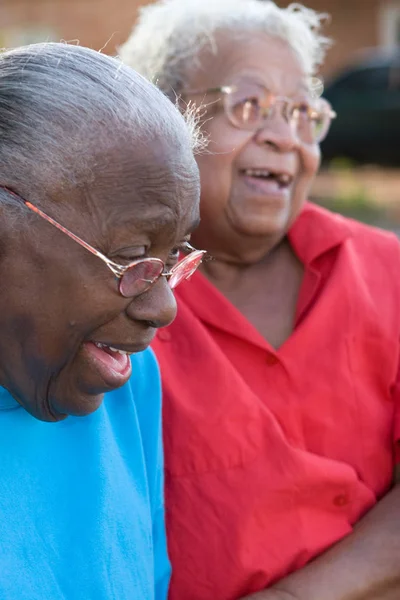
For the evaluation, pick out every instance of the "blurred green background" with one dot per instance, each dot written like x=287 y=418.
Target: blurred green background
x=365 y=192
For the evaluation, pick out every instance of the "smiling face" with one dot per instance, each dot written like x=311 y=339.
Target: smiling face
x=254 y=184
x=61 y=302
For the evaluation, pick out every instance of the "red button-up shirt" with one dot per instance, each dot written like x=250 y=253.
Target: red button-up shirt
x=273 y=455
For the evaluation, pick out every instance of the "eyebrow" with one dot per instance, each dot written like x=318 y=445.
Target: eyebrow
x=153 y=224
x=150 y=223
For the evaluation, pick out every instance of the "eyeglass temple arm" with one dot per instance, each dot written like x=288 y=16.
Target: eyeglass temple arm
x=118 y=270
x=190 y=257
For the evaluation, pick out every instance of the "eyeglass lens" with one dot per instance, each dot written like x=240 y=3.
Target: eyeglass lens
x=185 y=268
x=249 y=104
x=140 y=277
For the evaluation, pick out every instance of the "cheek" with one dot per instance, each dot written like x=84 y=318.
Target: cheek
x=75 y=311
x=217 y=163
x=310 y=158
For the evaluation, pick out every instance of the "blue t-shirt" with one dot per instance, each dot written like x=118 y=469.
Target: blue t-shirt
x=81 y=500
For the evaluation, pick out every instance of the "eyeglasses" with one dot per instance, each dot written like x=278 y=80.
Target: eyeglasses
x=248 y=105
x=137 y=277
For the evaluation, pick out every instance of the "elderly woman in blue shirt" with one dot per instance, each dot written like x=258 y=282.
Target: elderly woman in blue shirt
x=98 y=195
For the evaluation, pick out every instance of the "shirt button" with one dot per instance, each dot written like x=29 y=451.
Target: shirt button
x=341 y=500
x=272 y=359
x=164 y=335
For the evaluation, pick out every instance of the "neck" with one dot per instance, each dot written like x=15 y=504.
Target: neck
x=234 y=249
x=226 y=272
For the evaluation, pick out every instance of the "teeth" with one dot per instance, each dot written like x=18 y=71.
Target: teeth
x=282 y=178
x=113 y=349
x=117 y=350
x=257 y=172
x=100 y=345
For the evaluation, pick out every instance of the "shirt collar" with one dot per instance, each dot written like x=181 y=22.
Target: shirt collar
x=316 y=231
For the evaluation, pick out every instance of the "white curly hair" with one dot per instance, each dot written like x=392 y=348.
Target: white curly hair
x=169 y=34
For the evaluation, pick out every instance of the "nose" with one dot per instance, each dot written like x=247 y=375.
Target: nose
x=156 y=307
x=278 y=133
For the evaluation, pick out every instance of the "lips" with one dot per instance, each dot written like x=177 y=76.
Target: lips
x=273 y=186
x=112 y=364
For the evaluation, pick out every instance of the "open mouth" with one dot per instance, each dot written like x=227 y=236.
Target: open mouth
x=111 y=363
x=281 y=179
x=110 y=349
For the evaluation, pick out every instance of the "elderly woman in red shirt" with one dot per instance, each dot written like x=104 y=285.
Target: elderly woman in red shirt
x=281 y=370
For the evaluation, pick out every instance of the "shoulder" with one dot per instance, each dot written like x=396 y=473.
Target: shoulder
x=366 y=257
x=315 y=213
x=374 y=247
x=316 y=221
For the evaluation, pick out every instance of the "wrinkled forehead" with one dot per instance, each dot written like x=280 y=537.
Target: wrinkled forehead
x=267 y=59
x=151 y=185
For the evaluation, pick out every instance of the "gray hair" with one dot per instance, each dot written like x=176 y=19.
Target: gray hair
x=62 y=105
x=169 y=34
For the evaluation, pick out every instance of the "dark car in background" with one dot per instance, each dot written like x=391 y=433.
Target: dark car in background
x=366 y=98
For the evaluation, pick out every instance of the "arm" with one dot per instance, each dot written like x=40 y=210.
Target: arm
x=363 y=566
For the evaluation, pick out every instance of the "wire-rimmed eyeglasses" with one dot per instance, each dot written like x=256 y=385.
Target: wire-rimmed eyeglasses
x=248 y=105
x=138 y=276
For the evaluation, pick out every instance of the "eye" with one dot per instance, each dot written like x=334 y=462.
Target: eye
x=319 y=122
x=311 y=122
x=128 y=255
x=183 y=248
x=246 y=111
x=186 y=248
x=302 y=110
x=247 y=103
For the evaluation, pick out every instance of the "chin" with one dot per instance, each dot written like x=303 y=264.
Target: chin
x=261 y=226
x=79 y=407
x=258 y=219
x=43 y=413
